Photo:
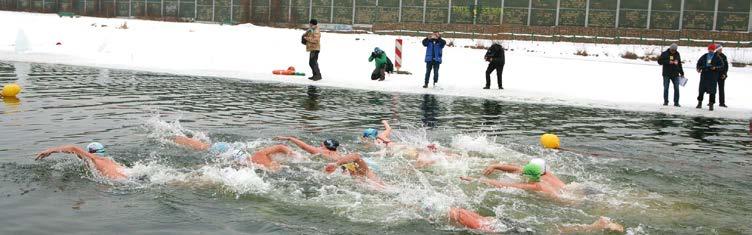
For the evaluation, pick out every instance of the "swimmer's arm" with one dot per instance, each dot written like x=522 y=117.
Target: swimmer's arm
x=190 y=143
x=306 y=147
x=502 y=167
x=499 y=184
x=69 y=149
x=387 y=131
x=275 y=150
x=348 y=159
x=602 y=224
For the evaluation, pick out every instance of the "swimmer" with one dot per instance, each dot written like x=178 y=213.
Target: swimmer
x=92 y=155
x=475 y=221
x=357 y=167
x=263 y=157
x=371 y=135
x=328 y=148
x=539 y=179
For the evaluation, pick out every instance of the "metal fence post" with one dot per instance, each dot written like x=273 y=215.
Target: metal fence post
x=177 y=14
x=681 y=16
x=650 y=12
x=310 y=9
x=353 y=13
x=161 y=9
x=449 y=12
x=146 y=7
x=289 y=11
x=331 y=11
x=501 y=13
x=130 y=8
x=399 y=19
x=529 y=11
x=475 y=12
x=749 y=25
x=195 y=9
x=269 y=12
x=618 y=13
x=715 y=16
x=587 y=13
x=213 y=10
x=424 y=10
x=558 y=10
x=232 y=8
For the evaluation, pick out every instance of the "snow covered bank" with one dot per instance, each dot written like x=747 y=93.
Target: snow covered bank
x=535 y=72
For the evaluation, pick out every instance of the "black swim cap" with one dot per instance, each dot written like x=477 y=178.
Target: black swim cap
x=314 y=22
x=331 y=144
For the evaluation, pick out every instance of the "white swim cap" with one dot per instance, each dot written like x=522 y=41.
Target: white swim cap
x=541 y=163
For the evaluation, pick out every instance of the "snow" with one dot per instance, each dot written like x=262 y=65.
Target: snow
x=535 y=72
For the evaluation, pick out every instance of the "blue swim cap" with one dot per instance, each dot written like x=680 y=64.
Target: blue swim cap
x=370 y=133
x=331 y=144
x=95 y=147
x=219 y=147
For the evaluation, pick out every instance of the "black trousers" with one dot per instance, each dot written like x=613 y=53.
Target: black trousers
x=433 y=65
x=313 y=61
x=721 y=91
x=379 y=73
x=499 y=70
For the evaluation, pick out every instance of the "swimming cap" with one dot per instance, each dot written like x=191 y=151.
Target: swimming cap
x=219 y=147
x=541 y=163
x=331 y=144
x=95 y=147
x=351 y=167
x=532 y=171
x=370 y=133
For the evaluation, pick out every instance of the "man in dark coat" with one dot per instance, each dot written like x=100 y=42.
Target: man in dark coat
x=709 y=66
x=722 y=79
x=495 y=58
x=672 y=70
x=434 y=49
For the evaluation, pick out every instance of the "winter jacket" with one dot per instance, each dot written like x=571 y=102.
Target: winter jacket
x=313 y=39
x=495 y=54
x=434 y=48
x=380 y=59
x=671 y=70
x=710 y=72
x=724 y=61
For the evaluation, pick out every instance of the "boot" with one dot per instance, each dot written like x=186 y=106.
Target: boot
x=699 y=104
x=711 y=107
x=486 y=87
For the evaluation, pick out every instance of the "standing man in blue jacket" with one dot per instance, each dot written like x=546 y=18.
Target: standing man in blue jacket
x=434 y=46
x=709 y=66
x=672 y=70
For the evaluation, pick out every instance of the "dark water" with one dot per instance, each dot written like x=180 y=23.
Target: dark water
x=655 y=173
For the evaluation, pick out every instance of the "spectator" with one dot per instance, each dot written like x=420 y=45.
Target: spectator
x=312 y=40
x=495 y=58
x=709 y=66
x=722 y=78
x=379 y=58
x=672 y=70
x=434 y=46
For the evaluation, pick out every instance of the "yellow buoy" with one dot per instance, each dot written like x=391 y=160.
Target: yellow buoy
x=550 y=141
x=11 y=90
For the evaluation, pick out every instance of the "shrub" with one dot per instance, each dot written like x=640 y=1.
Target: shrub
x=629 y=55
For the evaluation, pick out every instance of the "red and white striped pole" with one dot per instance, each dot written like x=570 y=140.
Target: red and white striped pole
x=398 y=54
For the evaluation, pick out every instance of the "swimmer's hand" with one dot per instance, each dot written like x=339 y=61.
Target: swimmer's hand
x=467 y=178
x=62 y=149
x=331 y=167
x=489 y=170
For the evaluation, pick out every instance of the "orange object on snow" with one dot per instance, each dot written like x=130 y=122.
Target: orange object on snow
x=289 y=71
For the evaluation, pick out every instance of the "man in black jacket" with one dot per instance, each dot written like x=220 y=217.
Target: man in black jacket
x=724 y=75
x=672 y=70
x=495 y=58
x=709 y=67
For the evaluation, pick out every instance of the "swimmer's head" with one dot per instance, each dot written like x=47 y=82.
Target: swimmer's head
x=370 y=133
x=219 y=147
x=432 y=147
x=541 y=163
x=95 y=147
x=532 y=172
x=331 y=144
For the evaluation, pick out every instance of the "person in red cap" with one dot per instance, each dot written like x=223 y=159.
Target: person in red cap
x=709 y=66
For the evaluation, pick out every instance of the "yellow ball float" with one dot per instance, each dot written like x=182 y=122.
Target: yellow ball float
x=550 y=141
x=10 y=90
